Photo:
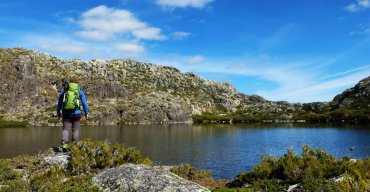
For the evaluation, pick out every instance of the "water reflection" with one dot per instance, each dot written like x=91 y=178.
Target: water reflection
x=226 y=150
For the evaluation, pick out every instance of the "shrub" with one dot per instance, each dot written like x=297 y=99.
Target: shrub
x=88 y=156
x=313 y=169
x=10 y=179
x=189 y=172
x=201 y=177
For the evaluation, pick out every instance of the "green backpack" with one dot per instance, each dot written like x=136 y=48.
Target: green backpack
x=71 y=99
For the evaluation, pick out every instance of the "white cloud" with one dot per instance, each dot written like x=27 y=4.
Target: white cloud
x=183 y=3
x=364 y=3
x=68 y=47
x=149 y=34
x=130 y=48
x=320 y=91
x=180 y=34
x=95 y=35
x=359 y=5
x=196 y=59
x=65 y=48
x=104 y=23
x=347 y=72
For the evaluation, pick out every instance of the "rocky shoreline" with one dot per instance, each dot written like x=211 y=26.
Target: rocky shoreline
x=100 y=166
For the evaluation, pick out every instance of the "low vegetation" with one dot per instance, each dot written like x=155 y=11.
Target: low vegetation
x=313 y=170
x=4 y=123
x=201 y=177
x=336 y=116
x=30 y=173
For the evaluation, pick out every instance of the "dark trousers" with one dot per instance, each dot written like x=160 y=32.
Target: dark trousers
x=71 y=121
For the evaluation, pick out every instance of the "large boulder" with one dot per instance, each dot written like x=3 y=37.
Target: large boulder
x=131 y=177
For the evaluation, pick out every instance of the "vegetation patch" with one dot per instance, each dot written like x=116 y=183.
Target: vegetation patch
x=314 y=170
x=4 y=123
x=335 y=116
x=201 y=177
x=32 y=173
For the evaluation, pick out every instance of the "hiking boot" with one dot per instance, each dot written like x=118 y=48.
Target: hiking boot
x=65 y=147
x=57 y=149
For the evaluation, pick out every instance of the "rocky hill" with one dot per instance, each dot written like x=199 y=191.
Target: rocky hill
x=127 y=91
x=357 y=97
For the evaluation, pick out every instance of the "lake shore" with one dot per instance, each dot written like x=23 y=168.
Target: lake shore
x=82 y=169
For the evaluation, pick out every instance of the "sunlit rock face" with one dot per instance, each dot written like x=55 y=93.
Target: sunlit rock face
x=357 y=97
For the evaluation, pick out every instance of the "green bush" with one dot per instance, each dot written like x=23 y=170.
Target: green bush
x=88 y=156
x=313 y=169
x=189 y=172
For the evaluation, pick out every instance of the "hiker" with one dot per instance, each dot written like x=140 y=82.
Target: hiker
x=70 y=100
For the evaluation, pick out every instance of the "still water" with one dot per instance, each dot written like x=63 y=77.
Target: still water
x=225 y=150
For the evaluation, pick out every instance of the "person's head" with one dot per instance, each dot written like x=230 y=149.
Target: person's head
x=65 y=83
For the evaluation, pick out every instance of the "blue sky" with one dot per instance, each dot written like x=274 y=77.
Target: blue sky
x=297 y=51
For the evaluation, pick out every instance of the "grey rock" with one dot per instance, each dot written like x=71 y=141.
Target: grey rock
x=131 y=177
x=294 y=188
x=57 y=159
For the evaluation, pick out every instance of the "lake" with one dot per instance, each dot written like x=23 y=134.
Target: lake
x=225 y=150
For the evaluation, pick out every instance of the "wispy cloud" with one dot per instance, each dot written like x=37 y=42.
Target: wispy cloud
x=104 y=23
x=347 y=72
x=319 y=91
x=196 y=59
x=180 y=35
x=183 y=3
x=359 y=5
x=303 y=80
x=65 y=48
x=130 y=48
x=362 y=32
x=278 y=38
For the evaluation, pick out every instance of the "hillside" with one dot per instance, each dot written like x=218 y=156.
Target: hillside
x=127 y=91
x=357 y=97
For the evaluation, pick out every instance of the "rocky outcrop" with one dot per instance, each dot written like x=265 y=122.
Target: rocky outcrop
x=357 y=97
x=131 y=177
x=128 y=177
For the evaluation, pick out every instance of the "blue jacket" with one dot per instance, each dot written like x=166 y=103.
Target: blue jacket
x=78 y=111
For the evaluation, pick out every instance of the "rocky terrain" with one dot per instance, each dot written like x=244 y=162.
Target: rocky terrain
x=127 y=91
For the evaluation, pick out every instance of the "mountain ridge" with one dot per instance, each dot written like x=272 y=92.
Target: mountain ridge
x=127 y=91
